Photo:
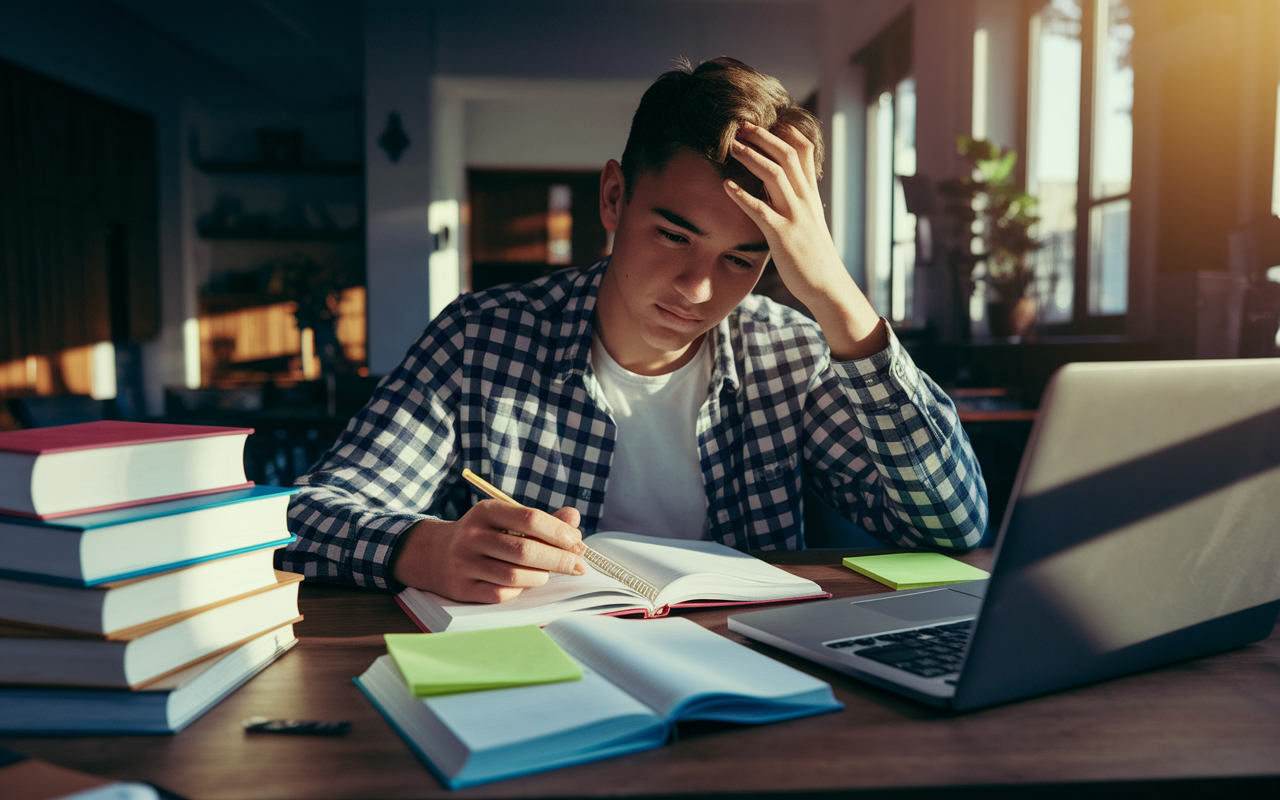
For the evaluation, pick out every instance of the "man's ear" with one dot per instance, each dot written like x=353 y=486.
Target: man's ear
x=613 y=195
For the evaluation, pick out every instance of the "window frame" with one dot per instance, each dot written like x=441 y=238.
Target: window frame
x=1093 y=31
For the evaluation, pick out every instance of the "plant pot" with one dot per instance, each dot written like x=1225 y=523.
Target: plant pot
x=1014 y=318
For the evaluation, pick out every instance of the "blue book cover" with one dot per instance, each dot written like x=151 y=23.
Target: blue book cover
x=42 y=550
x=124 y=516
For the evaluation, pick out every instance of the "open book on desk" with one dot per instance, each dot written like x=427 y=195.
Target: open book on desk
x=639 y=679
x=630 y=575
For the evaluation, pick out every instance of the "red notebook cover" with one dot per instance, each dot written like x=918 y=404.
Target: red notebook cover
x=644 y=613
x=107 y=433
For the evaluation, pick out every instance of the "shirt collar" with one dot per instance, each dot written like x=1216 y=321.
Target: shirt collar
x=573 y=353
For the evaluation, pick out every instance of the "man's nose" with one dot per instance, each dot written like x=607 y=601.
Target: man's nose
x=694 y=281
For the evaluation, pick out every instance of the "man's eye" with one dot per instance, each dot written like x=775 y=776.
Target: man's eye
x=740 y=262
x=672 y=237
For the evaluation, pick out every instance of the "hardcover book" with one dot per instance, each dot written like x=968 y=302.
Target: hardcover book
x=640 y=679
x=166 y=706
x=113 y=608
x=93 y=466
x=40 y=656
x=110 y=546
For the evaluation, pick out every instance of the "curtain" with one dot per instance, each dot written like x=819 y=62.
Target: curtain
x=78 y=219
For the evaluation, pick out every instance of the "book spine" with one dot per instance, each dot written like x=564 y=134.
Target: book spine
x=620 y=573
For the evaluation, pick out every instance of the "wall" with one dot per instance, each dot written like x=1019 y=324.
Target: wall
x=108 y=53
x=530 y=85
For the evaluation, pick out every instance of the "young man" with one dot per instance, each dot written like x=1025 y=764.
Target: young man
x=652 y=392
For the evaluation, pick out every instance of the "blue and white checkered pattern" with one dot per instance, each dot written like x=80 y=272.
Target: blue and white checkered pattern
x=500 y=382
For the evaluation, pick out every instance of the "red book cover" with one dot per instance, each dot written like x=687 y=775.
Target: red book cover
x=107 y=433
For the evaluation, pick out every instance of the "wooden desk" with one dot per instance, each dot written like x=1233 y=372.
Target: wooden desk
x=1214 y=718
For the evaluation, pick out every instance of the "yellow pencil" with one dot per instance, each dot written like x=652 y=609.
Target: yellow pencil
x=600 y=562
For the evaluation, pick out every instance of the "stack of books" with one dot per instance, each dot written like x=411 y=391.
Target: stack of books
x=137 y=583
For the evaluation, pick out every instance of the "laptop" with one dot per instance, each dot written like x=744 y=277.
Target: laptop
x=1144 y=528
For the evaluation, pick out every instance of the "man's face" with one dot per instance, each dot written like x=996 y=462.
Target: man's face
x=684 y=255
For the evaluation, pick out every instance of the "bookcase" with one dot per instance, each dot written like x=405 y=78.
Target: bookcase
x=276 y=236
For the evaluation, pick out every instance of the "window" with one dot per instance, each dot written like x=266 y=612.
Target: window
x=891 y=154
x=1080 y=158
x=891 y=239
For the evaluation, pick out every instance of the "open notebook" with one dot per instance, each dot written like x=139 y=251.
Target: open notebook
x=630 y=575
x=639 y=679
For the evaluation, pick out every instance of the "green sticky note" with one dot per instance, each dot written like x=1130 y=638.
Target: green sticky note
x=470 y=661
x=914 y=570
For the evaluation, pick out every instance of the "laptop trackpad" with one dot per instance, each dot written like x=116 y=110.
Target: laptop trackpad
x=923 y=607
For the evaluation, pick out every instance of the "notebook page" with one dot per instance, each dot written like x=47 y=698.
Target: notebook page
x=523 y=727
x=559 y=595
x=672 y=663
x=689 y=570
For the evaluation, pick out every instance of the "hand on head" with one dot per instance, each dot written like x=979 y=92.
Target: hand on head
x=800 y=245
x=475 y=560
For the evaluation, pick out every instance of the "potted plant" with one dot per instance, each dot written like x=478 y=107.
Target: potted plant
x=987 y=206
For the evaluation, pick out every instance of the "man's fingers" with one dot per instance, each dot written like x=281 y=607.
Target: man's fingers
x=553 y=530
x=779 y=187
x=804 y=151
x=525 y=553
x=500 y=572
x=569 y=516
x=476 y=591
x=797 y=162
x=760 y=212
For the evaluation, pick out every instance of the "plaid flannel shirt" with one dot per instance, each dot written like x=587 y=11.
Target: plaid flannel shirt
x=500 y=382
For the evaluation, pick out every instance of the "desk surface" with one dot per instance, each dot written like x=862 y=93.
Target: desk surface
x=1216 y=717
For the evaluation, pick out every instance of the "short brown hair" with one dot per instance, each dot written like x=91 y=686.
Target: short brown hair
x=701 y=110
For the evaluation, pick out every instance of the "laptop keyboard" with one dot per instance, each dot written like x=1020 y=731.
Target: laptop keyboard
x=927 y=652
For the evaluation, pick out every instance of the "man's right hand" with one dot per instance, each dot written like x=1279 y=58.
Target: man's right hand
x=474 y=560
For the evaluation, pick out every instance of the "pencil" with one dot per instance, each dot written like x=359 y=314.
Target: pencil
x=497 y=494
x=488 y=488
x=597 y=560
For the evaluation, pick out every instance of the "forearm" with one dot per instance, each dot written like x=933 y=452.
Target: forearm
x=850 y=325
x=340 y=539
x=919 y=483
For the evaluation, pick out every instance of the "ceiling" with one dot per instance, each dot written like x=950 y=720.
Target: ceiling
x=303 y=51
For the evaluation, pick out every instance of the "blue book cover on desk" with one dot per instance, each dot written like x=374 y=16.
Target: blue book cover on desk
x=110 y=546
x=640 y=678
x=166 y=706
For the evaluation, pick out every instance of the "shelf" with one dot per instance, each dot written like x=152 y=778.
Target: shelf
x=356 y=235
x=262 y=168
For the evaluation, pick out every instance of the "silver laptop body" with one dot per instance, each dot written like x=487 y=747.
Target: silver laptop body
x=1144 y=528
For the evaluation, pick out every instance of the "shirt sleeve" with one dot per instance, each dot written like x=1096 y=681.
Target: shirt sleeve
x=886 y=449
x=385 y=471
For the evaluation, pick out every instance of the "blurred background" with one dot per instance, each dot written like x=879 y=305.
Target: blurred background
x=244 y=211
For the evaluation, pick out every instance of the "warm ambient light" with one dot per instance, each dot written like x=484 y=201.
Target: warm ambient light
x=191 y=352
x=103 y=371
x=310 y=364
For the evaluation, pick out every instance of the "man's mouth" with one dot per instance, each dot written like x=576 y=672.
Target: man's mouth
x=679 y=318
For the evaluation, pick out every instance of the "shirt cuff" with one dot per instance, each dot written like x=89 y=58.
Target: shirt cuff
x=884 y=380
x=374 y=548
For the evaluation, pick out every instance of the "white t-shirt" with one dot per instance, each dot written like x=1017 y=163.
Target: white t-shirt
x=655 y=481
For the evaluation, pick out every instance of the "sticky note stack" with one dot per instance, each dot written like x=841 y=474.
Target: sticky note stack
x=914 y=570
x=469 y=661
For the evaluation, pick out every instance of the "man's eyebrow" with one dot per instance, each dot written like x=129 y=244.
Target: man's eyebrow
x=676 y=219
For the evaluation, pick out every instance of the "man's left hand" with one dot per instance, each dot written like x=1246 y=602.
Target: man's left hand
x=800 y=244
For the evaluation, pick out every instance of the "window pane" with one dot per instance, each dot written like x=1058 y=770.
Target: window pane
x=1109 y=258
x=880 y=194
x=904 y=224
x=1113 y=101
x=1055 y=151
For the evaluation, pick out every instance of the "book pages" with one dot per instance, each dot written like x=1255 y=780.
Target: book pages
x=684 y=671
